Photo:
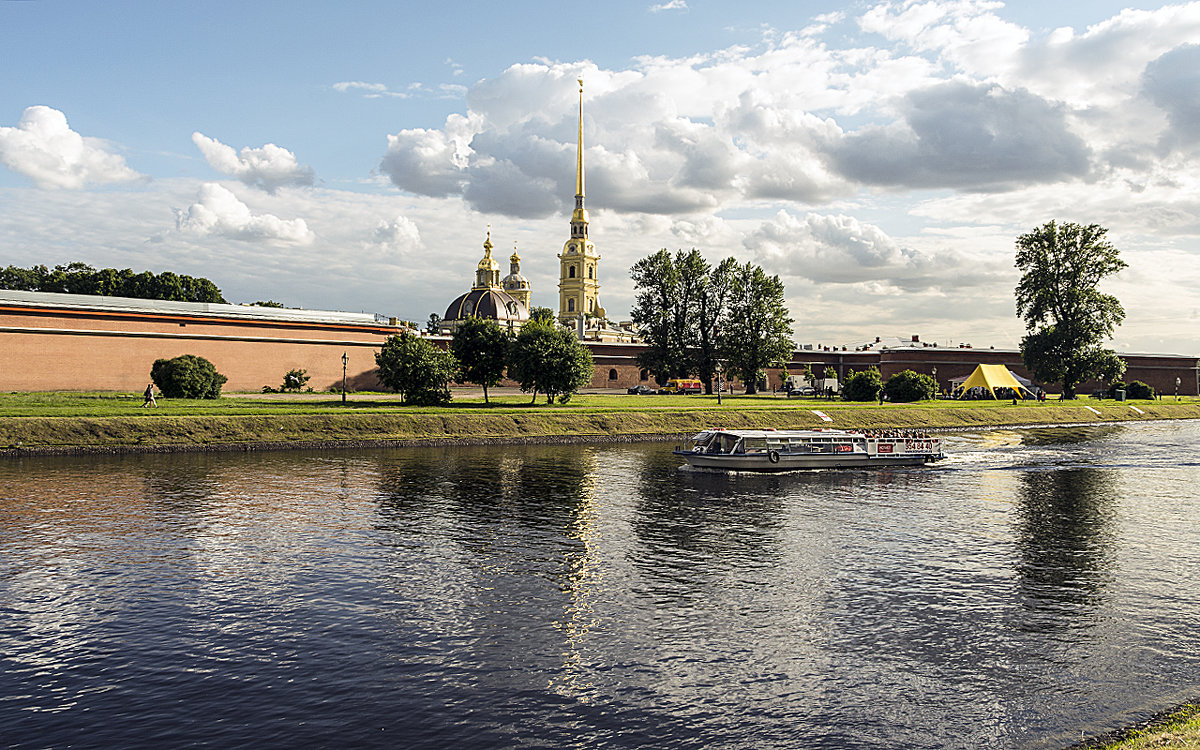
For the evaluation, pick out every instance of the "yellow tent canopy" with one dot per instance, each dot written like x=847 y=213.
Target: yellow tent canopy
x=992 y=377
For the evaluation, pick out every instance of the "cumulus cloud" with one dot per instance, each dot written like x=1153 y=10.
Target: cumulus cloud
x=399 y=234
x=1173 y=83
x=966 y=136
x=268 y=168
x=44 y=148
x=841 y=249
x=218 y=212
x=671 y=5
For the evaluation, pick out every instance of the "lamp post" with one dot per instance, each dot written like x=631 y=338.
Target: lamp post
x=345 y=361
x=937 y=391
x=1176 y=389
x=720 y=386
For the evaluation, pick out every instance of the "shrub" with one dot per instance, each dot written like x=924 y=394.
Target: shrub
x=1138 y=389
x=187 y=376
x=908 y=386
x=294 y=380
x=862 y=386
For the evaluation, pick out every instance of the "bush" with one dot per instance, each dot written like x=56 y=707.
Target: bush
x=294 y=380
x=1138 y=389
x=187 y=376
x=862 y=386
x=908 y=386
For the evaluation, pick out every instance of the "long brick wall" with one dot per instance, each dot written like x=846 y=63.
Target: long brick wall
x=65 y=347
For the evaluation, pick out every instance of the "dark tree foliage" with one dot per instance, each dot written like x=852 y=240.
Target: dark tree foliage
x=80 y=278
x=187 y=376
x=481 y=347
x=547 y=358
x=1066 y=316
x=680 y=302
x=416 y=369
x=660 y=310
x=542 y=314
x=756 y=330
x=295 y=380
x=862 y=386
x=908 y=386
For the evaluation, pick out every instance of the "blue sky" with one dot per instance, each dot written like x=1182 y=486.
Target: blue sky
x=880 y=157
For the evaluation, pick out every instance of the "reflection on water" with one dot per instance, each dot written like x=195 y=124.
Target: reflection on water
x=1037 y=583
x=1066 y=538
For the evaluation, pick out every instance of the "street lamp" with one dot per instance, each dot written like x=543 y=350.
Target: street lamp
x=345 y=361
x=720 y=386
x=936 y=390
x=1176 y=389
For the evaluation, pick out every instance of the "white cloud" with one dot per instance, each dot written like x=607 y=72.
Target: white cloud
x=45 y=149
x=670 y=5
x=841 y=249
x=398 y=234
x=217 y=211
x=269 y=167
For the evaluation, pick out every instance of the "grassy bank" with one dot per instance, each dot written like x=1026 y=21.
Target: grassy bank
x=67 y=422
x=1178 y=729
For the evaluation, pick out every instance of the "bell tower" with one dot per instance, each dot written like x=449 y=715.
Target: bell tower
x=578 y=281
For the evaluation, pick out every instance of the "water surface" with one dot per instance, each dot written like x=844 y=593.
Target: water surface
x=1038 y=584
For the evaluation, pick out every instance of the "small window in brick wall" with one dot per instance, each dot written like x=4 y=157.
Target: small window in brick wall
x=612 y=374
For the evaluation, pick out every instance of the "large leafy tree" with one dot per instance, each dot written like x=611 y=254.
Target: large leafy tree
x=416 y=369
x=756 y=331
x=712 y=297
x=547 y=358
x=660 y=311
x=1066 y=317
x=481 y=347
x=679 y=305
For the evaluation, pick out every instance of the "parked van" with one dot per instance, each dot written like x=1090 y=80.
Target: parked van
x=683 y=385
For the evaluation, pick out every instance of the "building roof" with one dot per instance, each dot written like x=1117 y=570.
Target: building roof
x=95 y=302
x=487 y=303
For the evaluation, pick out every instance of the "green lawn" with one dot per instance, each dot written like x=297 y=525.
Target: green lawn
x=63 y=421
x=106 y=404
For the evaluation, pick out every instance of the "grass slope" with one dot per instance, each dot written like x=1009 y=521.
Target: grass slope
x=52 y=422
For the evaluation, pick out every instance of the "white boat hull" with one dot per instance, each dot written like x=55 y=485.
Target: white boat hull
x=791 y=462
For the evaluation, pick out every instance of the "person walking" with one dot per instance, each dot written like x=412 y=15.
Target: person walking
x=149 y=396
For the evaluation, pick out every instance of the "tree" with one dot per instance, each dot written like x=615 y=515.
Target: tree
x=679 y=305
x=862 y=386
x=1065 y=315
x=80 y=278
x=187 y=376
x=416 y=369
x=712 y=297
x=908 y=386
x=542 y=315
x=658 y=311
x=756 y=331
x=547 y=358
x=481 y=347
x=435 y=320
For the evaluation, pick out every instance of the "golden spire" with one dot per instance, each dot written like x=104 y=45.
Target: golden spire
x=579 y=217
x=515 y=258
x=579 y=166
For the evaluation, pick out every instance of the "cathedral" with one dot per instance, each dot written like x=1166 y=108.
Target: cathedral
x=507 y=300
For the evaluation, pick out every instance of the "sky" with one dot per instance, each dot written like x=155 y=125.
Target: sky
x=880 y=157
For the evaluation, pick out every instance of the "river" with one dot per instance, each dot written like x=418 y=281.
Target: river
x=1036 y=587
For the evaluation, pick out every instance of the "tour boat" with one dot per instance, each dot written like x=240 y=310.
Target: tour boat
x=784 y=450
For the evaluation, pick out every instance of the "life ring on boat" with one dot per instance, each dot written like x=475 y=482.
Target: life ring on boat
x=773 y=456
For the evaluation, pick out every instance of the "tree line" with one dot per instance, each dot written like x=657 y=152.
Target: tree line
x=80 y=278
x=542 y=358
x=694 y=316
